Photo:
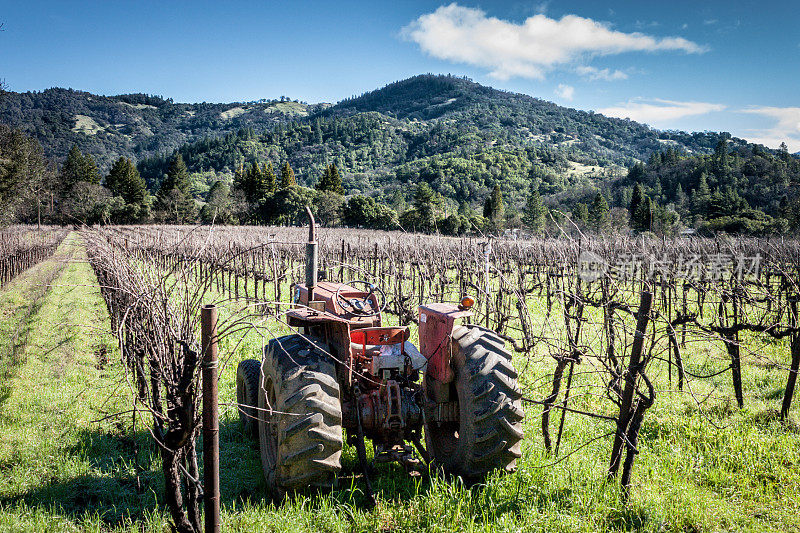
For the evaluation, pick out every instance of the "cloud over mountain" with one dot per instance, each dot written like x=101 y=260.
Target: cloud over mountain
x=657 y=111
x=529 y=49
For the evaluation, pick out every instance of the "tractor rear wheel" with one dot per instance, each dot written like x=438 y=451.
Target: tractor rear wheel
x=489 y=428
x=300 y=415
x=248 y=375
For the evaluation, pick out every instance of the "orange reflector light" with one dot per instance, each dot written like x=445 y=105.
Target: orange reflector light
x=467 y=302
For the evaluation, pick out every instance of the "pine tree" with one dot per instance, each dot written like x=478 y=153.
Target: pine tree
x=270 y=181
x=721 y=167
x=494 y=209
x=643 y=217
x=599 y=219
x=331 y=181
x=636 y=198
x=424 y=204
x=174 y=196
x=533 y=215
x=701 y=196
x=287 y=177
x=177 y=176
x=78 y=168
x=124 y=180
x=581 y=212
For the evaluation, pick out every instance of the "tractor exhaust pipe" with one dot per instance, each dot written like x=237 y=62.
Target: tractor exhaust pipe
x=312 y=257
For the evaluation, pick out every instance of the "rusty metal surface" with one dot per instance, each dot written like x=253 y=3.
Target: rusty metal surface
x=435 y=327
x=211 y=498
x=326 y=291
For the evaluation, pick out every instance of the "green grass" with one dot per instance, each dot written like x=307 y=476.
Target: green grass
x=703 y=468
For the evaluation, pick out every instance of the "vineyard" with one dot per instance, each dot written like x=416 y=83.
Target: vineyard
x=657 y=377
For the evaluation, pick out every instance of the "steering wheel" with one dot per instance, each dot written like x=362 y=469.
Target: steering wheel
x=362 y=306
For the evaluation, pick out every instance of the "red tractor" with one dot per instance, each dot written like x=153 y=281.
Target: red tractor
x=344 y=370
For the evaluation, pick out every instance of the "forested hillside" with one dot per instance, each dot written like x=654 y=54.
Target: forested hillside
x=132 y=125
x=432 y=153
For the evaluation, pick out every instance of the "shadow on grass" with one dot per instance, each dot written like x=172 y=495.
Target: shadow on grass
x=120 y=483
x=123 y=477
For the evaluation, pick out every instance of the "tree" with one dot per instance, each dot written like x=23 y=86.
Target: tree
x=331 y=181
x=494 y=209
x=636 y=198
x=124 y=180
x=26 y=179
x=363 y=211
x=174 y=198
x=287 y=177
x=643 y=216
x=701 y=196
x=534 y=213
x=78 y=168
x=89 y=203
x=425 y=204
x=270 y=181
x=720 y=160
x=599 y=219
x=20 y=161
x=580 y=213
x=219 y=205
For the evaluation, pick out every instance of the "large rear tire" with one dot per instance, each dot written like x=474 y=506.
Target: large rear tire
x=300 y=415
x=248 y=376
x=488 y=432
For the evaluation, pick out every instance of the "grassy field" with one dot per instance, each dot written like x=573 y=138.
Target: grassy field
x=67 y=467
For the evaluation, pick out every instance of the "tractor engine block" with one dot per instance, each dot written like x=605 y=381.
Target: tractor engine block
x=388 y=411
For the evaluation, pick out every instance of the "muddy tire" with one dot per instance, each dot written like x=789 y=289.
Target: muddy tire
x=248 y=374
x=300 y=416
x=489 y=430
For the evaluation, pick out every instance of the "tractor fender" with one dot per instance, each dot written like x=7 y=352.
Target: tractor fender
x=436 y=323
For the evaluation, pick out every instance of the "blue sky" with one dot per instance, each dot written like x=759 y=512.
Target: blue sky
x=699 y=65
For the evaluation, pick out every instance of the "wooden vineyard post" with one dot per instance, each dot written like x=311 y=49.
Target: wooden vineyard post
x=208 y=319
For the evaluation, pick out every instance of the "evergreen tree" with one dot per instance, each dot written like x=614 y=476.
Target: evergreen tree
x=177 y=176
x=701 y=196
x=270 y=181
x=78 y=168
x=533 y=215
x=643 y=216
x=287 y=177
x=580 y=213
x=124 y=180
x=331 y=181
x=494 y=209
x=174 y=197
x=636 y=198
x=721 y=167
x=424 y=205
x=599 y=219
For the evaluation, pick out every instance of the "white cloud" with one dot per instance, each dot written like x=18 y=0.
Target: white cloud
x=659 y=112
x=530 y=49
x=565 y=91
x=594 y=73
x=786 y=128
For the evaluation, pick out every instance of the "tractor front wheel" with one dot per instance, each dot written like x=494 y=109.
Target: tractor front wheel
x=488 y=431
x=300 y=415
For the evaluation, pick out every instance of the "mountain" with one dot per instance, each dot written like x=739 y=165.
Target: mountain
x=133 y=125
x=460 y=137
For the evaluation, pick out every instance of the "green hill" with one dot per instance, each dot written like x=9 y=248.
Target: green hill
x=133 y=125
